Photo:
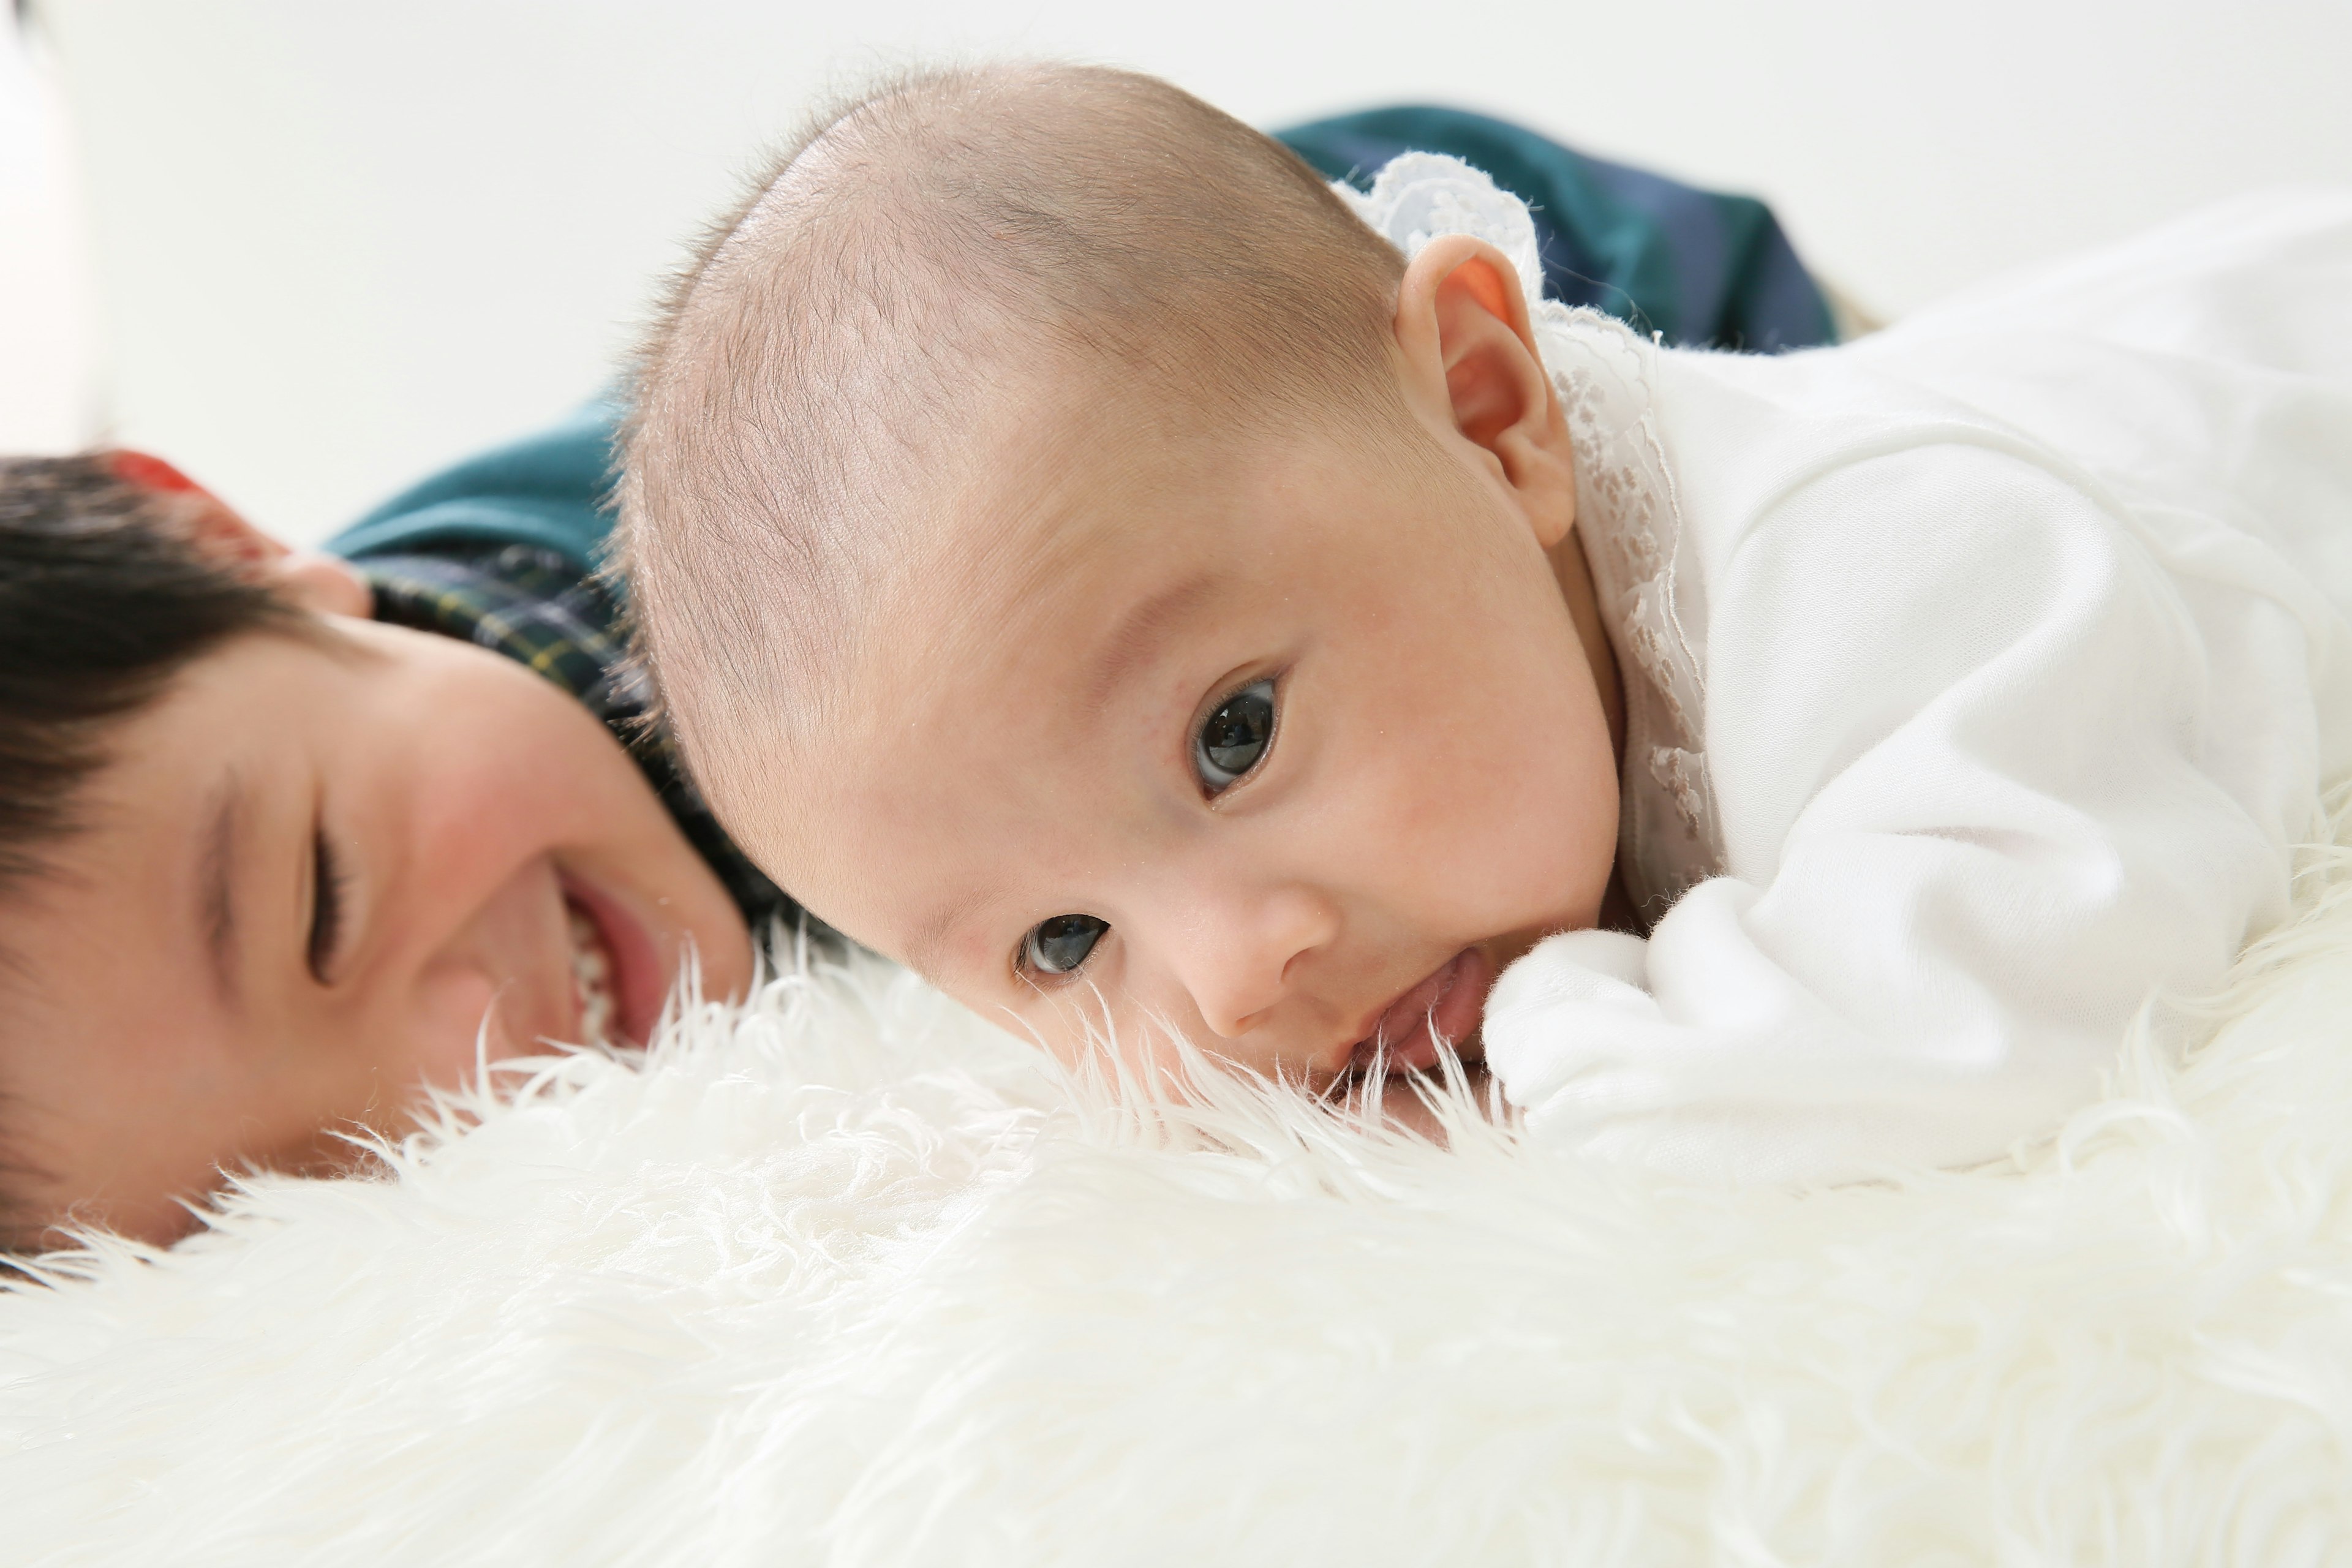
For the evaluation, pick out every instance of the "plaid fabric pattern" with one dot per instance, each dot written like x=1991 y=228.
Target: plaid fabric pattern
x=531 y=605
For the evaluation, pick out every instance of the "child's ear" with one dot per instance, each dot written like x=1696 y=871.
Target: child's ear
x=310 y=578
x=1471 y=366
x=327 y=584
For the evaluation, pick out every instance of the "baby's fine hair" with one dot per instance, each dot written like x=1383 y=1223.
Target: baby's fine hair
x=919 y=247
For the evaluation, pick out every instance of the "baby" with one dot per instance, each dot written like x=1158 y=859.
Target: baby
x=1150 y=591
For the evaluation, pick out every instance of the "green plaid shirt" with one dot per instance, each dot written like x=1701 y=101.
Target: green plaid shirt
x=534 y=607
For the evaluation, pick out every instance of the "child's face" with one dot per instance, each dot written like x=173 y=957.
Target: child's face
x=1283 y=751
x=311 y=877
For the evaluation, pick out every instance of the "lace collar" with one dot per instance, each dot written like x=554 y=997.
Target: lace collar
x=1604 y=375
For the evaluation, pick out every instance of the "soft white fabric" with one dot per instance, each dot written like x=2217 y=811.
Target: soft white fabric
x=1980 y=674
x=845 y=1279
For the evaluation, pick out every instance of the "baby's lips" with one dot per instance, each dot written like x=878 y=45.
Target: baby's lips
x=1462 y=1007
x=1447 y=1005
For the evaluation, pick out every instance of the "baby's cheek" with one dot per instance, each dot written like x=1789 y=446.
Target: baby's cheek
x=1434 y=797
x=1515 y=836
x=1074 y=1023
x=1083 y=1023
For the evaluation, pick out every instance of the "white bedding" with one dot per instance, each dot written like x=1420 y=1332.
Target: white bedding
x=832 y=1281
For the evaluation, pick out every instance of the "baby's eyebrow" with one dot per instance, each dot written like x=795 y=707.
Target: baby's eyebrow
x=924 y=948
x=1135 y=639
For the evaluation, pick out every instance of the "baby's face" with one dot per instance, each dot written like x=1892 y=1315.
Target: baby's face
x=1268 y=747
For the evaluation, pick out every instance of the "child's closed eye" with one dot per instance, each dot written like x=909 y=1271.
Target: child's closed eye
x=329 y=887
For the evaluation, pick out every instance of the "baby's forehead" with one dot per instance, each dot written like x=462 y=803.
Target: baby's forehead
x=1070 y=528
x=1034 y=609
x=1072 y=552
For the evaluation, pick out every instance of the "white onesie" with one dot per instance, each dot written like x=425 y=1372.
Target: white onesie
x=1981 y=676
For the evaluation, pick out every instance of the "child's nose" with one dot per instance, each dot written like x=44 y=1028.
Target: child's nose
x=1237 y=957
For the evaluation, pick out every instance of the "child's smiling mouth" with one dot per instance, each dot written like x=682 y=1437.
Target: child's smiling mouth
x=591 y=977
x=1446 y=1005
x=617 y=977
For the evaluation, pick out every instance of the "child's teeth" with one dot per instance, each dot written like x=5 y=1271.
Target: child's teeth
x=591 y=979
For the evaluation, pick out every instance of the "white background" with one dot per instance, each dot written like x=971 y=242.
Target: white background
x=337 y=244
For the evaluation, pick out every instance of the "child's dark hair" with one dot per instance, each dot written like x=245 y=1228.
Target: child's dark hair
x=104 y=597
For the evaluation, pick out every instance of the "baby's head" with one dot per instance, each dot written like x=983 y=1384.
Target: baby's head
x=1085 y=562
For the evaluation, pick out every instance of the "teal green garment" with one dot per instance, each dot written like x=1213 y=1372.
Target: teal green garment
x=1698 y=268
x=552 y=490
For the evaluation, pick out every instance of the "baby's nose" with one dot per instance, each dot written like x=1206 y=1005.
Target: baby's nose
x=1241 y=958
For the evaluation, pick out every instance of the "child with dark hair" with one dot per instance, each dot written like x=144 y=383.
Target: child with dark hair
x=273 y=853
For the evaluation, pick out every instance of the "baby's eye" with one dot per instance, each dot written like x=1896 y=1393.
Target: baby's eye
x=1059 y=945
x=1235 y=735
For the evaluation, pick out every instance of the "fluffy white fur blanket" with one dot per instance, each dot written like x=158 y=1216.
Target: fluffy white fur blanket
x=846 y=1277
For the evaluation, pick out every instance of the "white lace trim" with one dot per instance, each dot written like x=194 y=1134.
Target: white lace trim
x=1603 y=375
x=1420 y=196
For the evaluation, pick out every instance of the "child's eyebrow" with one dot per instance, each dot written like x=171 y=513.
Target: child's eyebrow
x=216 y=889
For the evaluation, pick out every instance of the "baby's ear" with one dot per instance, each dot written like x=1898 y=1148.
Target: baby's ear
x=1471 y=367
x=310 y=578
